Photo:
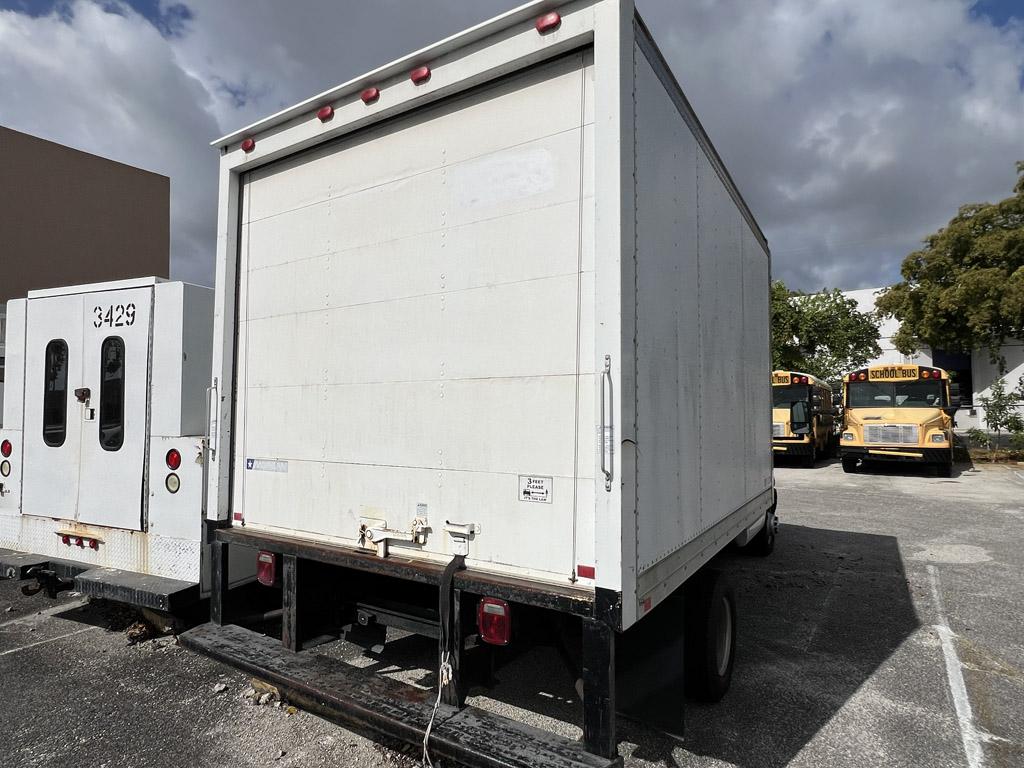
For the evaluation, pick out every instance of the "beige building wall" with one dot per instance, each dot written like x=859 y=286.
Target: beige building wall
x=68 y=217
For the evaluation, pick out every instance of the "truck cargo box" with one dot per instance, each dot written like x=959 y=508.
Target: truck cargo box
x=515 y=294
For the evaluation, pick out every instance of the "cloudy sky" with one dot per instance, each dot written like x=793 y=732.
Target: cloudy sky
x=853 y=127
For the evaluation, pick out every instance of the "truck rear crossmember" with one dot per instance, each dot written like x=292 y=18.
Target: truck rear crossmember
x=356 y=698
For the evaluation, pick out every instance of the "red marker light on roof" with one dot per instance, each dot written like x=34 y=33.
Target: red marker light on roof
x=6 y=448
x=93 y=544
x=420 y=75
x=249 y=144
x=325 y=113
x=547 y=22
x=370 y=95
x=173 y=459
x=494 y=621
x=65 y=539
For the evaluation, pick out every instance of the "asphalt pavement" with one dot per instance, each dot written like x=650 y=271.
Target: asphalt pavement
x=884 y=630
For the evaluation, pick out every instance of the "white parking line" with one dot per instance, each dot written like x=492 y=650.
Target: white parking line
x=969 y=734
x=47 y=640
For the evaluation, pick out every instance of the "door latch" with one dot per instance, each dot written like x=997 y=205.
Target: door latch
x=461 y=533
x=376 y=534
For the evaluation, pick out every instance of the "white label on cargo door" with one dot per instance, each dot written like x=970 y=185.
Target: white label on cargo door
x=534 y=488
x=266 y=465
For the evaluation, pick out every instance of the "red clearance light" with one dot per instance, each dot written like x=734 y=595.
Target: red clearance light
x=266 y=568
x=547 y=22
x=65 y=539
x=6 y=448
x=325 y=113
x=93 y=544
x=80 y=542
x=173 y=459
x=420 y=75
x=248 y=145
x=370 y=95
x=585 y=571
x=494 y=621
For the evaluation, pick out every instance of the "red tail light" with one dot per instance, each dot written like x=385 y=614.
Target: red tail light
x=6 y=448
x=547 y=22
x=420 y=75
x=494 y=621
x=325 y=113
x=266 y=568
x=173 y=459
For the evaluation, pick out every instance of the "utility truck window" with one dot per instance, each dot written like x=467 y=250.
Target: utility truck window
x=784 y=397
x=904 y=394
x=55 y=394
x=112 y=394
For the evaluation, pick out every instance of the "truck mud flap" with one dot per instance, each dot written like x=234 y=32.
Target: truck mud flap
x=368 y=702
x=141 y=590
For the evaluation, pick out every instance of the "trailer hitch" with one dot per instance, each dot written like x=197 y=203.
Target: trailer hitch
x=46 y=578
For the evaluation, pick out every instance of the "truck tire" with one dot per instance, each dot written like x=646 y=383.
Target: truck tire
x=763 y=544
x=849 y=465
x=710 y=643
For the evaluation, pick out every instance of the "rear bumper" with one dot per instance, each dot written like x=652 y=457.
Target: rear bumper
x=384 y=707
x=791 y=449
x=141 y=590
x=908 y=453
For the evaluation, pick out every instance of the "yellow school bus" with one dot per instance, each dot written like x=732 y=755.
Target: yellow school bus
x=803 y=419
x=898 y=413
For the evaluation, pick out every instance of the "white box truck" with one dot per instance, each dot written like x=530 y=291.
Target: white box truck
x=101 y=450
x=491 y=343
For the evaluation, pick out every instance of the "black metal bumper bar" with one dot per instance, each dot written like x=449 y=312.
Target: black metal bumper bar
x=368 y=702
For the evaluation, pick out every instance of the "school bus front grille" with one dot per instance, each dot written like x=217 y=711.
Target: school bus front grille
x=898 y=434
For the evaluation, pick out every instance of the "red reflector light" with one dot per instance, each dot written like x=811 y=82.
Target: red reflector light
x=370 y=95
x=494 y=621
x=585 y=571
x=420 y=75
x=266 y=568
x=547 y=22
x=248 y=145
x=6 y=448
x=173 y=459
x=325 y=113
x=237 y=516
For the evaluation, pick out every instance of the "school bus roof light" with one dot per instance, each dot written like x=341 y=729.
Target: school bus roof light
x=862 y=376
x=925 y=374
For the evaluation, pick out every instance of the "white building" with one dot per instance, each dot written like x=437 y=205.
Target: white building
x=974 y=372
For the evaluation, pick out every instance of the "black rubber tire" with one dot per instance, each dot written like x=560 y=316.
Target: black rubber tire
x=763 y=544
x=710 y=610
x=849 y=466
x=811 y=459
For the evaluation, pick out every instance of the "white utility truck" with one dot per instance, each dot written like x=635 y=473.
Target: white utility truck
x=491 y=351
x=101 y=450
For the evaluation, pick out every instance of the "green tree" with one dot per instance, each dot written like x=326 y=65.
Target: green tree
x=1001 y=408
x=965 y=289
x=824 y=334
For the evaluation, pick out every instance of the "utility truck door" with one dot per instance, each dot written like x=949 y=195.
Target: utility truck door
x=116 y=333
x=53 y=424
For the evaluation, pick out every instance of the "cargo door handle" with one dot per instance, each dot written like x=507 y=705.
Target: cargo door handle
x=211 y=422
x=607 y=427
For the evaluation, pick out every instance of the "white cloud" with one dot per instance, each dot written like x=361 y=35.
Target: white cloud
x=853 y=129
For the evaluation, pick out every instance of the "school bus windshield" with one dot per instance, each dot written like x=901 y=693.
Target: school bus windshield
x=900 y=394
x=784 y=397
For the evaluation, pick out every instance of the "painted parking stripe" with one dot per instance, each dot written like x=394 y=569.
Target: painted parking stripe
x=44 y=642
x=969 y=734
